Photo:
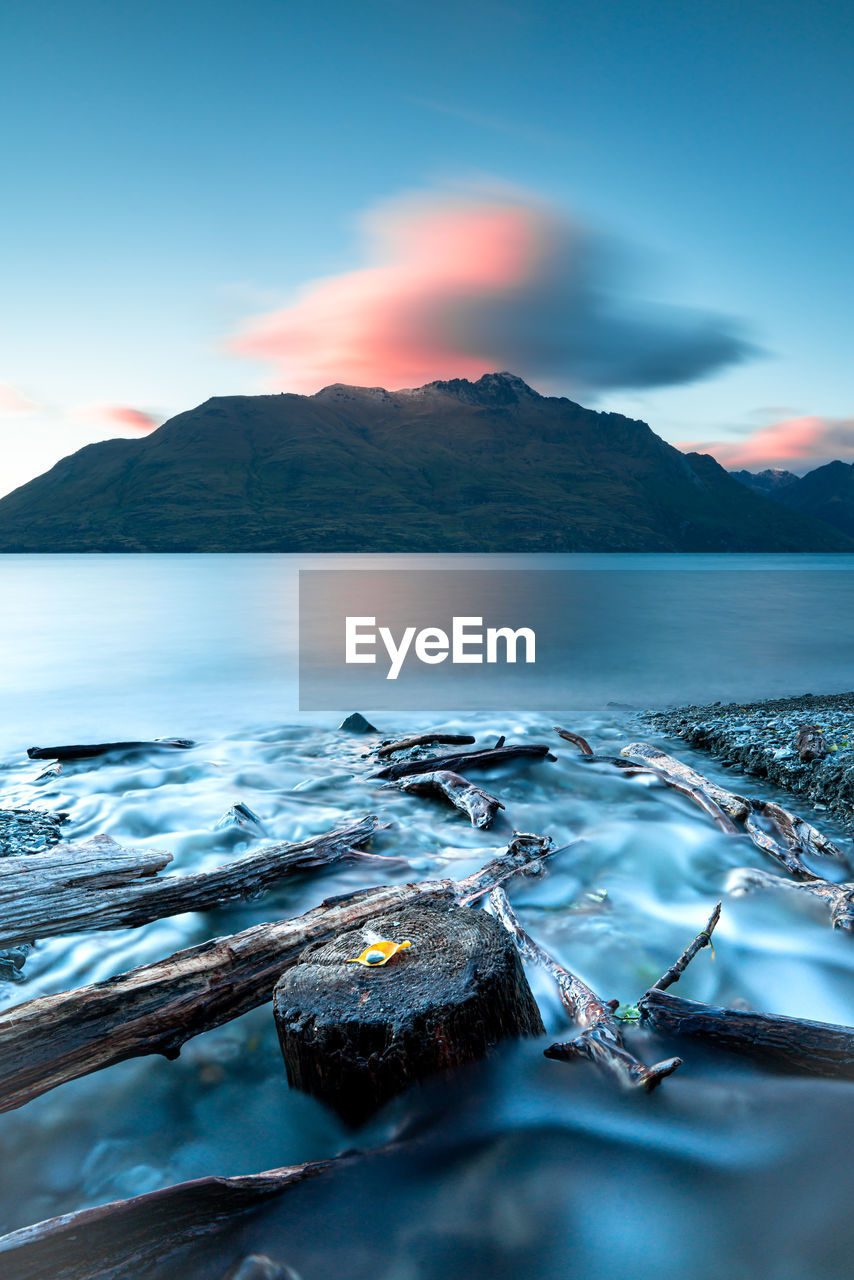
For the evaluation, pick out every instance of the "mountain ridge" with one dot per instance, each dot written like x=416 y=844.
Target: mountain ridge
x=455 y=465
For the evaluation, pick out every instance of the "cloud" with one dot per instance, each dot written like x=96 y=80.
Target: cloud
x=13 y=401
x=460 y=285
x=120 y=415
x=790 y=443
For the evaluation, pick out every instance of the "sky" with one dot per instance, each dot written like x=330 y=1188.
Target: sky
x=644 y=206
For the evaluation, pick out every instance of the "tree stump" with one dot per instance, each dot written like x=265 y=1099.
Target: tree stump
x=356 y=1036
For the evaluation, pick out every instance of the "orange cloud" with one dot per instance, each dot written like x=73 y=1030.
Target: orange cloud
x=457 y=286
x=788 y=443
x=13 y=401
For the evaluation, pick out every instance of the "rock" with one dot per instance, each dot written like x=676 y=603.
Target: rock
x=356 y=723
x=810 y=744
x=241 y=816
x=28 y=831
x=355 y=1036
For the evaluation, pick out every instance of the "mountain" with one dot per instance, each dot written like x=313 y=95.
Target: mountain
x=453 y=466
x=824 y=494
x=768 y=482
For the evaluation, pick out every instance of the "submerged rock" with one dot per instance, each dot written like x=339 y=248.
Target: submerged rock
x=356 y=723
x=242 y=817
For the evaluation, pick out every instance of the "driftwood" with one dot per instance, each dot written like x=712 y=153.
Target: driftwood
x=687 y=786
x=798 y=835
x=99 y=885
x=810 y=744
x=356 y=1036
x=838 y=897
x=789 y=839
x=576 y=739
x=424 y=740
x=480 y=806
x=791 y=1044
x=485 y=759
x=157 y=1007
x=600 y=1039
x=126 y=1237
x=736 y=807
x=105 y=748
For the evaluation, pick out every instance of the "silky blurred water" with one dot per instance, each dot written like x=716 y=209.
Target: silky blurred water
x=522 y=1165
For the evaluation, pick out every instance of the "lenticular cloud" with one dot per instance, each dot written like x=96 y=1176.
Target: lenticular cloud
x=457 y=286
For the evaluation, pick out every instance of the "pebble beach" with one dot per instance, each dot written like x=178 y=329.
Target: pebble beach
x=759 y=738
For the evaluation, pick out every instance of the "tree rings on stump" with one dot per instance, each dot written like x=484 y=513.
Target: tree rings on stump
x=355 y=1036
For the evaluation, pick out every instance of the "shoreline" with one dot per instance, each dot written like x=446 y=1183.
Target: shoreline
x=758 y=738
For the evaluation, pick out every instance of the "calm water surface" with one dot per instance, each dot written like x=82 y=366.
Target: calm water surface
x=523 y=1166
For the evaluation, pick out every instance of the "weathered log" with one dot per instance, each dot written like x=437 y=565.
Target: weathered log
x=790 y=1044
x=106 y=748
x=424 y=740
x=703 y=939
x=600 y=1040
x=99 y=885
x=27 y=831
x=157 y=1007
x=489 y=758
x=356 y=1036
x=735 y=807
x=838 y=897
x=633 y=769
x=126 y=1237
x=789 y=840
x=810 y=744
x=480 y=806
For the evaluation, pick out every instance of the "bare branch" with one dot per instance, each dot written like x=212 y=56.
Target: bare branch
x=703 y=939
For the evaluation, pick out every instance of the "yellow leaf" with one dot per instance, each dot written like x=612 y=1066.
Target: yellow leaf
x=379 y=953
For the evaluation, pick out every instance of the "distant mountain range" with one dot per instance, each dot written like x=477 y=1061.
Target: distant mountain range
x=824 y=494
x=452 y=466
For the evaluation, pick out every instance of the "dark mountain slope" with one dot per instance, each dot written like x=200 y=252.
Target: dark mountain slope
x=453 y=466
x=824 y=494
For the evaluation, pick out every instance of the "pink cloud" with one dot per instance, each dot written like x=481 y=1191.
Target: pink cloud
x=14 y=401
x=122 y=415
x=384 y=323
x=459 y=285
x=790 y=443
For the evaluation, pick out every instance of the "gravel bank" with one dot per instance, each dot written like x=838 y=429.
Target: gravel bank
x=759 y=738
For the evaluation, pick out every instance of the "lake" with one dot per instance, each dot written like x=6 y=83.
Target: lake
x=521 y=1165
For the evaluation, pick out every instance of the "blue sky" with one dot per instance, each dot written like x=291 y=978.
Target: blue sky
x=175 y=170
